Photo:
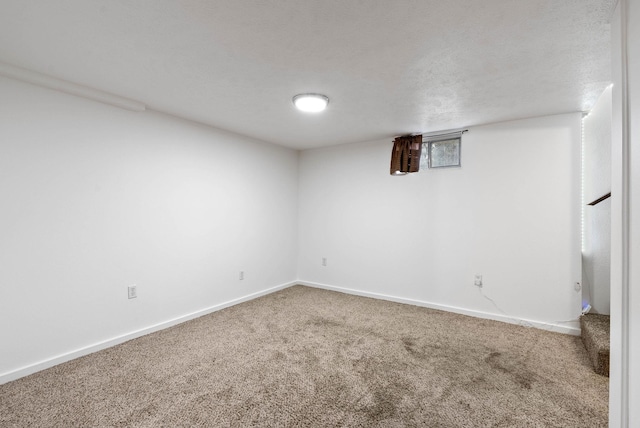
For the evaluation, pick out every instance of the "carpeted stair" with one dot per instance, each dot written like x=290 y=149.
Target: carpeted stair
x=595 y=336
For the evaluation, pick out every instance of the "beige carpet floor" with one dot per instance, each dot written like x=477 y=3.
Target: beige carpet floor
x=304 y=357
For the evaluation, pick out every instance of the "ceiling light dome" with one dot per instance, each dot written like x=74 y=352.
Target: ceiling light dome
x=311 y=103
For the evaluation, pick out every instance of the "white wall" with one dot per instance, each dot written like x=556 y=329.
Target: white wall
x=634 y=211
x=624 y=387
x=596 y=255
x=95 y=198
x=510 y=213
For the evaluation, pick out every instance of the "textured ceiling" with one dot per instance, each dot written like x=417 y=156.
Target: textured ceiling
x=389 y=67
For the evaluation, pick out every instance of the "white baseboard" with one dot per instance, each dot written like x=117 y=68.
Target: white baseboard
x=53 y=361
x=555 y=327
x=68 y=356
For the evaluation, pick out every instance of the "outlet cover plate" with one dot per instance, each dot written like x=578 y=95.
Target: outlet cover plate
x=478 y=281
x=133 y=291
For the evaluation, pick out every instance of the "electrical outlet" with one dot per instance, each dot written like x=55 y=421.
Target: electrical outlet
x=133 y=291
x=324 y=261
x=241 y=276
x=478 y=281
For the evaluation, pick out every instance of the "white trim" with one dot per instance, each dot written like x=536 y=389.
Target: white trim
x=555 y=327
x=68 y=356
x=626 y=223
x=50 y=82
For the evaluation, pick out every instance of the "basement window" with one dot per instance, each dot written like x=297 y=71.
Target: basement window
x=441 y=151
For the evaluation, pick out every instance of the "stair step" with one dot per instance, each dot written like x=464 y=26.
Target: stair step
x=595 y=336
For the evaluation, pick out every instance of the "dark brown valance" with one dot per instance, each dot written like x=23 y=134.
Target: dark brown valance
x=405 y=156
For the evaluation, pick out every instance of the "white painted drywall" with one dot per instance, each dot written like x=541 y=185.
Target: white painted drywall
x=596 y=254
x=634 y=210
x=511 y=213
x=95 y=198
x=624 y=386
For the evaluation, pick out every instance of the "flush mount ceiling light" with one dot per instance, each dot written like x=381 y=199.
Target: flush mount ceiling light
x=311 y=103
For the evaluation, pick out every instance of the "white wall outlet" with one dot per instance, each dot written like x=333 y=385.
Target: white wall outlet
x=478 y=281
x=577 y=286
x=133 y=291
x=241 y=276
x=324 y=261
